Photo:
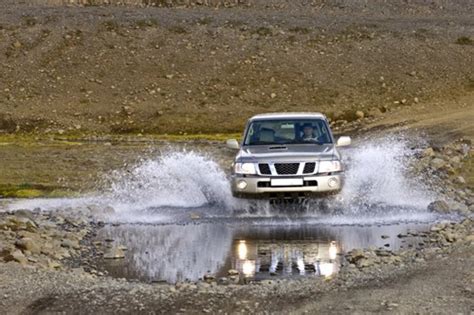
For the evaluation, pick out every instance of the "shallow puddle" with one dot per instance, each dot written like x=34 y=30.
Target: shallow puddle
x=174 y=253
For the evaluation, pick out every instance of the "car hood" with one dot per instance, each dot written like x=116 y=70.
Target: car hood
x=291 y=152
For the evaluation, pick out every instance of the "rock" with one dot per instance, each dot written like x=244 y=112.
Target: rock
x=383 y=252
x=392 y=260
x=234 y=279
x=194 y=216
x=203 y=286
x=451 y=237
x=6 y=250
x=460 y=180
x=439 y=206
x=385 y=237
x=53 y=264
x=21 y=223
x=458 y=207
x=455 y=160
x=232 y=272
x=17 y=256
x=437 y=228
x=364 y=262
x=360 y=114
x=114 y=253
x=28 y=244
x=438 y=163
x=428 y=152
x=355 y=255
x=223 y=281
x=25 y=213
x=374 y=112
x=67 y=243
x=209 y=278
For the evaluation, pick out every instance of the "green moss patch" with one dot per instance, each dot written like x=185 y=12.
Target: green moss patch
x=27 y=190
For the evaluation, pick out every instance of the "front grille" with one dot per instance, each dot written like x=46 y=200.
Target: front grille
x=287 y=168
x=309 y=168
x=264 y=169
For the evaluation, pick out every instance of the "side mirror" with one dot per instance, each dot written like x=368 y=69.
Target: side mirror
x=343 y=141
x=232 y=144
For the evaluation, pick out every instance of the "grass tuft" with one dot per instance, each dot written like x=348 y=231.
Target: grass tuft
x=464 y=40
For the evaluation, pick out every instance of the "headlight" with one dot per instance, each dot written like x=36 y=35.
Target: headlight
x=330 y=166
x=244 y=168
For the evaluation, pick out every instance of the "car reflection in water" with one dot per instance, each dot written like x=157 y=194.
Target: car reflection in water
x=258 y=259
x=176 y=253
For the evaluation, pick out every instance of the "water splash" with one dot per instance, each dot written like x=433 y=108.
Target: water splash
x=175 y=184
x=379 y=187
x=174 y=179
x=379 y=175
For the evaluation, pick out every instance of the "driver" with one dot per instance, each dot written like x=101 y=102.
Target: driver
x=308 y=133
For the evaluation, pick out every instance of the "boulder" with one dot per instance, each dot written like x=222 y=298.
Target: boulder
x=223 y=281
x=209 y=278
x=365 y=262
x=439 y=206
x=428 y=152
x=114 y=253
x=29 y=244
x=68 y=243
x=19 y=223
x=25 y=213
x=438 y=163
x=17 y=256
x=359 y=114
x=355 y=255
x=451 y=237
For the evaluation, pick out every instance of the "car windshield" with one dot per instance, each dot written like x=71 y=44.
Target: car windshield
x=288 y=131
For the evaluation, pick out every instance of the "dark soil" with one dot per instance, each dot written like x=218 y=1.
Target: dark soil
x=199 y=69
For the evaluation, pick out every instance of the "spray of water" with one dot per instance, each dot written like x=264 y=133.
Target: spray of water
x=175 y=179
x=378 y=175
x=378 y=185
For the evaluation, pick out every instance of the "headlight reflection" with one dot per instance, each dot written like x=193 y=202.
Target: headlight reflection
x=257 y=258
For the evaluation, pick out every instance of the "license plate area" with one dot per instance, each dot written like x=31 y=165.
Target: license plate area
x=285 y=182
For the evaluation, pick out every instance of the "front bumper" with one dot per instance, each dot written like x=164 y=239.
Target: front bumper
x=260 y=186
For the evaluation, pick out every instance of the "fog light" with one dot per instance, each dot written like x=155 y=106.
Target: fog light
x=332 y=182
x=241 y=184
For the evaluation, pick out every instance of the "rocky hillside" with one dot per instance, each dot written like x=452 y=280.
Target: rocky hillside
x=198 y=69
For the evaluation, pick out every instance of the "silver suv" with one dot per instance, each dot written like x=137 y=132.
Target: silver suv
x=287 y=156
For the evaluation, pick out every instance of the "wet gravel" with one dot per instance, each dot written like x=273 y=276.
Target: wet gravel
x=51 y=262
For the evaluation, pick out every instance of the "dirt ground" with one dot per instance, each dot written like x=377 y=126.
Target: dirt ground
x=434 y=280
x=203 y=69
x=73 y=72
